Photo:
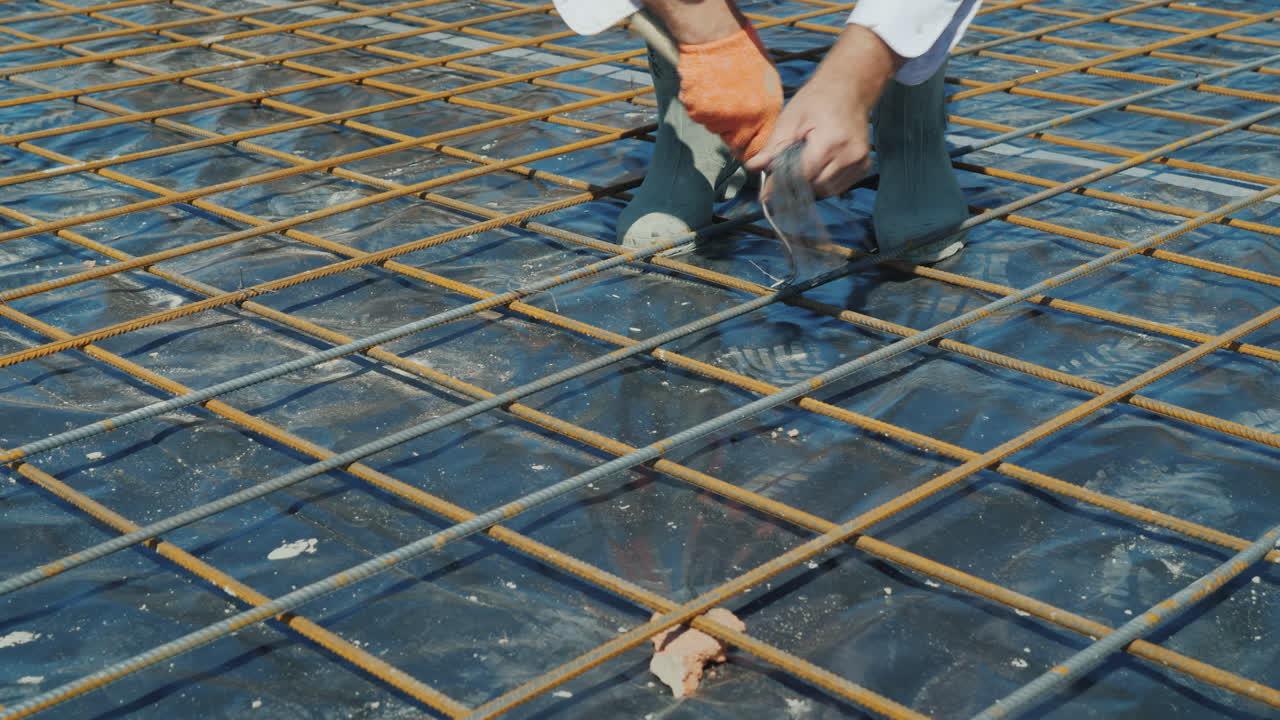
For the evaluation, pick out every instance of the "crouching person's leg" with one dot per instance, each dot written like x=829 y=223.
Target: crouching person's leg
x=690 y=170
x=919 y=195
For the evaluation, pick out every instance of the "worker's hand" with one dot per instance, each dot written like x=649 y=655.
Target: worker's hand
x=832 y=113
x=730 y=87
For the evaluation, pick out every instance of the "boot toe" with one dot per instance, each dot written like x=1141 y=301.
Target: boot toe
x=936 y=252
x=652 y=227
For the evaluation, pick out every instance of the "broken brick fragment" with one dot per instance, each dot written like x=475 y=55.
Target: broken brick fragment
x=681 y=654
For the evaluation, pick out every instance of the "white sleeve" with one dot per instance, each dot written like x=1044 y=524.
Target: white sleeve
x=588 y=17
x=922 y=31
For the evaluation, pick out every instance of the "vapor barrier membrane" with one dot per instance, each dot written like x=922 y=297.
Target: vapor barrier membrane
x=476 y=618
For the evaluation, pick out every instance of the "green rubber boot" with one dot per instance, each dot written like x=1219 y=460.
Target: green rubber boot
x=690 y=170
x=919 y=195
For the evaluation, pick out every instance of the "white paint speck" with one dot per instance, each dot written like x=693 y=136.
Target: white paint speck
x=1174 y=568
x=1021 y=613
x=1019 y=663
x=793 y=433
x=511 y=586
x=562 y=694
x=932 y=584
x=473 y=598
x=1255 y=580
x=95 y=455
x=812 y=564
x=291 y=550
x=797 y=707
x=539 y=468
x=256 y=704
x=18 y=637
x=30 y=679
x=888 y=591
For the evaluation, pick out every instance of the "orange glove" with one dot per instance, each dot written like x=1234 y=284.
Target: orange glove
x=730 y=87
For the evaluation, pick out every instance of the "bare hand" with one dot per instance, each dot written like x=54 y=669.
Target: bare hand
x=832 y=112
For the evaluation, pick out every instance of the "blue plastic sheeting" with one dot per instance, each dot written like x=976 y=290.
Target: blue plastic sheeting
x=477 y=619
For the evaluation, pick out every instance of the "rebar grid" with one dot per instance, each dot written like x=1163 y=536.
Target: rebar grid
x=431 y=192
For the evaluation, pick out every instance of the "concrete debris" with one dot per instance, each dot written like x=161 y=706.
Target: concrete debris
x=681 y=654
